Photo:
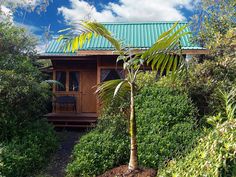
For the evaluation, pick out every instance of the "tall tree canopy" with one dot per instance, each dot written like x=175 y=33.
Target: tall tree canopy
x=211 y=23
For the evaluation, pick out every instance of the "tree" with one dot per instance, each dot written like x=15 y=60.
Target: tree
x=22 y=96
x=212 y=21
x=165 y=54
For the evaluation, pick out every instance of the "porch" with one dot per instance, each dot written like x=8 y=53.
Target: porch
x=74 y=103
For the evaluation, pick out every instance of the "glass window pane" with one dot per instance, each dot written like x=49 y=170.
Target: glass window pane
x=61 y=77
x=73 y=81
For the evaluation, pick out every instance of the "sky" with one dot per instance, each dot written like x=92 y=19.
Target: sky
x=60 y=14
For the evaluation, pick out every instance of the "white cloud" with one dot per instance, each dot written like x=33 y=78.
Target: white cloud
x=127 y=10
x=8 y=7
x=5 y=10
x=21 y=3
x=29 y=28
x=5 y=13
x=83 y=10
x=41 y=47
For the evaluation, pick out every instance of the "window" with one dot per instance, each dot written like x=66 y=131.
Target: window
x=111 y=74
x=61 y=77
x=73 y=81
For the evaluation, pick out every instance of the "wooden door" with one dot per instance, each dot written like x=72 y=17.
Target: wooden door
x=88 y=97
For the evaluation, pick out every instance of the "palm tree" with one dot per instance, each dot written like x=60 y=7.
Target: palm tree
x=165 y=54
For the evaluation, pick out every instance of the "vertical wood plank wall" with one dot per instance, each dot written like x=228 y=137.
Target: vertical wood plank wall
x=93 y=63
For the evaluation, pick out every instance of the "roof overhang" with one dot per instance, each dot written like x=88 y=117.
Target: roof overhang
x=86 y=53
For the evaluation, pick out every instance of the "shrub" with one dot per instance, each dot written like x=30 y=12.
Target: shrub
x=25 y=139
x=205 y=79
x=213 y=156
x=25 y=154
x=22 y=101
x=165 y=120
x=103 y=148
x=22 y=96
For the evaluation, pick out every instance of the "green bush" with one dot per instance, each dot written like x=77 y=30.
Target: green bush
x=22 y=96
x=165 y=122
x=25 y=154
x=22 y=100
x=213 y=156
x=25 y=139
x=204 y=81
x=103 y=148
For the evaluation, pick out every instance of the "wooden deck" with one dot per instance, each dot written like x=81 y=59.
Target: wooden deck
x=80 y=120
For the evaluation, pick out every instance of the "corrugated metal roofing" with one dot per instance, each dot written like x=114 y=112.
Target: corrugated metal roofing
x=134 y=35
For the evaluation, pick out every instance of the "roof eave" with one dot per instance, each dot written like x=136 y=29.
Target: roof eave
x=84 y=53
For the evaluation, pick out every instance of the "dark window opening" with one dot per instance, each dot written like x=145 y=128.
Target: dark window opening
x=61 y=77
x=73 y=81
x=111 y=74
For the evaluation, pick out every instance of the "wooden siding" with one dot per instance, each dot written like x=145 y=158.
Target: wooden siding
x=85 y=97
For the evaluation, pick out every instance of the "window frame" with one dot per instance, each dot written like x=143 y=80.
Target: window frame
x=67 y=89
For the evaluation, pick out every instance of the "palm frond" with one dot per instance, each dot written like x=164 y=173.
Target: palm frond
x=111 y=89
x=163 y=55
x=85 y=31
x=53 y=82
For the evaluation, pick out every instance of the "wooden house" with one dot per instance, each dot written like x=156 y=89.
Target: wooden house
x=75 y=104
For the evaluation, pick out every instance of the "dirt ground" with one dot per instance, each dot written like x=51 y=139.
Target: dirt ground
x=122 y=171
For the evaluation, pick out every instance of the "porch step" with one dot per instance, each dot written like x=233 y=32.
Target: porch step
x=72 y=120
x=74 y=126
x=80 y=120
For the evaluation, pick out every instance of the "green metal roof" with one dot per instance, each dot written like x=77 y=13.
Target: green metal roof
x=140 y=35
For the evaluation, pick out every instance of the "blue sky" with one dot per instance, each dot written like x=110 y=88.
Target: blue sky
x=61 y=13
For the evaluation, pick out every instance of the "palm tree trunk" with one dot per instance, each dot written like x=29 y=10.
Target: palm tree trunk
x=133 y=163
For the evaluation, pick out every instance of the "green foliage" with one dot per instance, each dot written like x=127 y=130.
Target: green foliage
x=22 y=100
x=160 y=56
x=213 y=156
x=26 y=140
x=16 y=42
x=211 y=22
x=165 y=124
x=28 y=152
x=205 y=77
x=85 y=32
x=165 y=121
x=215 y=153
x=22 y=97
x=204 y=81
x=103 y=148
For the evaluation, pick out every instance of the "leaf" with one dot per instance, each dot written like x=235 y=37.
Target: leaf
x=161 y=54
x=67 y=29
x=119 y=58
x=54 y=82
x=163 y=66
x=87 y=29
x=118 y=87
x=82 y=40
x=105 y=91
x=169 y=64
x=60 y=38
